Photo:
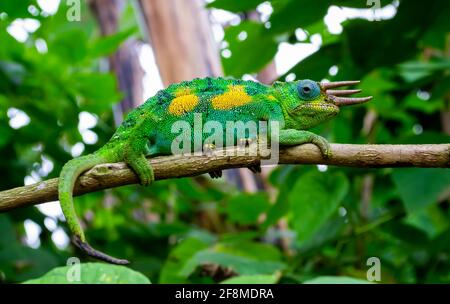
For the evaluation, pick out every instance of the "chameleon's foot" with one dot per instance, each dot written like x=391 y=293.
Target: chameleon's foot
x=215 y=174
x=142 y=168
x=323 y=145
x=86 y=248
x=255 y=168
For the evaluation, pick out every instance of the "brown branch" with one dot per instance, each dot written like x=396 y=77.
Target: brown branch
x=118 y=174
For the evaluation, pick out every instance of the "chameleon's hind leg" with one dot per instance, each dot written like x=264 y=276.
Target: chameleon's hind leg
x=135 y=158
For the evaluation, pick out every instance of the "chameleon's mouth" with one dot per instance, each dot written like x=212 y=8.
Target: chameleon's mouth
x=338 y=97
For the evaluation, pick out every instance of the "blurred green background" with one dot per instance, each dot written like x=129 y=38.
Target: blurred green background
x=304 y=222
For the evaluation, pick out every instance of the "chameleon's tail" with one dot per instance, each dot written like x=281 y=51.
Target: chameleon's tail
x=69 y=174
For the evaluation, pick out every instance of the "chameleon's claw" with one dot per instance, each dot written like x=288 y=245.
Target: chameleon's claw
x=255 y=168
x=215 y=174
x=86 y=248
x=323 y=145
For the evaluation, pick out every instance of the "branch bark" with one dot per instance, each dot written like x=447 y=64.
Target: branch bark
x=114 y=175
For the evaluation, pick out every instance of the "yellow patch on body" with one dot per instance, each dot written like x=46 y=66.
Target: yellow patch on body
x=271 y=97
x=183 y=104
x=234 y=97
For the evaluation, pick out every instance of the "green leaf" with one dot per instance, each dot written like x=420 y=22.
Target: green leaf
x=249 y=55
x=20 y=263
x=431 y=220
x=419 y=188
x=245 y=258
x=235 y=6
x=426 y=106
x=336 y=280
x=239 y=264
x=71 y=46
x=245 y=208
x=97 y=91
x=178 y=258
x=314 y=198
x=92 y=273
x=109 y=44
x=15 y=9
x=253 y=279
x=289 y=15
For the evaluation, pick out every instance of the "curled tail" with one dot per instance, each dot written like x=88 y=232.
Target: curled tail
x=69 y=174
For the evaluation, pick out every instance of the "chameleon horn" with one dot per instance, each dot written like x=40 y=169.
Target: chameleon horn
x=343 y=101
x=330 y=85
x=342 y=92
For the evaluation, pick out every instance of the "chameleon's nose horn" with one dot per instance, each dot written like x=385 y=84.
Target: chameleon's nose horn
x=335 y=84
x=344 y=101
x=342 y=92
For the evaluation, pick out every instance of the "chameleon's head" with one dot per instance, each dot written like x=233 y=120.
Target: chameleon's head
x=308 y=103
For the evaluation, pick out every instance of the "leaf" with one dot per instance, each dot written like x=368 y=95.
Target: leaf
x=178 y=258
x=245 y=208
x=239 y=264
x=71 y=46
x=21 y=263
x=109 y=44
x=253 y=279
x=15 y=9
x=289 y=15
x=97 y=91
x=92 y=273
x=235 y=6
x=419 y=188
x=249 y=55
x=314 y=198
x=336 y=280
x=245 y=258
x=431 y=220
x=8 y=232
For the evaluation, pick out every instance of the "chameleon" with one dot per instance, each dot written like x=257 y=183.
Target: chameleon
x=147 y=130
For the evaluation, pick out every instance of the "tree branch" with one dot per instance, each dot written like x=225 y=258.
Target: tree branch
x=114 y=175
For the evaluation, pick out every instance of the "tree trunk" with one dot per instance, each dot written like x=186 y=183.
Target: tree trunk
x=184 y=47
x=182 y=39
x=125 y=61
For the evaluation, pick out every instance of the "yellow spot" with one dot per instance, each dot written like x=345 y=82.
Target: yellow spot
x=234 y=97
x=271 y=97
x=181 y=91
x=183 y=104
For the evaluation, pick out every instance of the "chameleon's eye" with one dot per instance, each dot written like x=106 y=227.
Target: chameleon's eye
x=308 y=89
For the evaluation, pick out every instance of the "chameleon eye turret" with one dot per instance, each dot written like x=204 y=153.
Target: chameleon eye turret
x=308 y=89
x=338 y=97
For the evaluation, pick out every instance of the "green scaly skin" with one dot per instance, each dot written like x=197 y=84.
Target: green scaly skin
x=146 y=131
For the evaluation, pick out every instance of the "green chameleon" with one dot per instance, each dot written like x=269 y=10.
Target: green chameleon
x=147 y=130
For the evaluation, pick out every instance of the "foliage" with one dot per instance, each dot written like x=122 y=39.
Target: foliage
x=91 y=273
x=316 y=226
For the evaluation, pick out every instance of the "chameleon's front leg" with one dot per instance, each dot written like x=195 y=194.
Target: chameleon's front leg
x=135 y=158
x=292 y=137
